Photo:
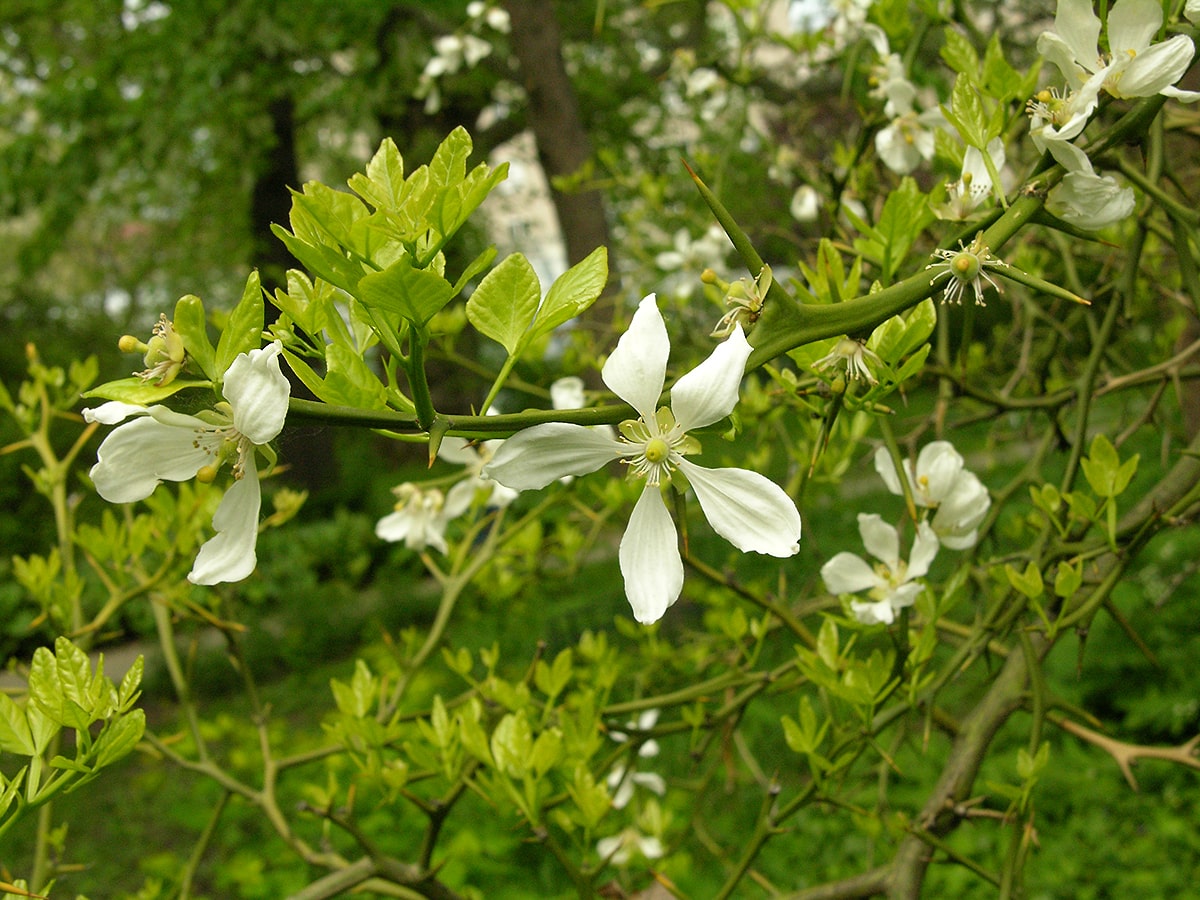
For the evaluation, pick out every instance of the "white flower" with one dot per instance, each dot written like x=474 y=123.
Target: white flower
x=163 y=445
x=1133 y=67
x=891 y=582
x=1084 y=198
x=966 y=266
x=619 y=848
x=906 y=141
x=422 y=514
x=939 y=482
x=975 y=184
x=806 y=204
x=1192 y=10
x=853 y=355
x=745 y=508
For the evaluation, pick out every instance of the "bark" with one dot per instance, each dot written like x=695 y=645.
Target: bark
x=554 y=117
x=309 y=456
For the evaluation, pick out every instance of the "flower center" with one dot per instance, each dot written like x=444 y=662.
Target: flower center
x=655 y=447
x=657 y=450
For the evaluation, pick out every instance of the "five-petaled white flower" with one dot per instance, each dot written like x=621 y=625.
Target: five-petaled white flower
x=891 y=582
x=163 y=445
x=940 y=483
x=745 y=508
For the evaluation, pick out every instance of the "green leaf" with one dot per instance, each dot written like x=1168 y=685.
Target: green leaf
x=572 y=292
x=243 y=331
x=590 y=798
x=512 y=745
x=415 y=294
x=904 y=216
x=383 y=184
x=142 y=393
x=967 y=114
x=192 y=325
x=303 y=301
x=1000 y=79
x=551 y=680
x=119 y=737
x=959 y=53
x=15 y=736
x=1068 y=579
x=477 y=265
x=324 y=262
x=547 y=751
x=1104 y=470
x=1028 y=582
x=128 y=692
x=506 y=301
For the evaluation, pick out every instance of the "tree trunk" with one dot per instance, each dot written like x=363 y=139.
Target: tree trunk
x=553 y=115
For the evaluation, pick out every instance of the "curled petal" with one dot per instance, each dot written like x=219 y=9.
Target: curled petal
x=747 y=509
x=230 y=554
x=113 y=412
x=650 y=561
x=849 y=574
x=710 y=391
x=137 y=456
x=537 y=456
x=258 y=392
x=637 y=368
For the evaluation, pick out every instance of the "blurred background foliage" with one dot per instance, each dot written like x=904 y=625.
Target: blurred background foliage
x=145 y=150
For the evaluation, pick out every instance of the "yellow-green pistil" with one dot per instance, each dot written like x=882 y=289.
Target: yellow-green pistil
x=655 y=448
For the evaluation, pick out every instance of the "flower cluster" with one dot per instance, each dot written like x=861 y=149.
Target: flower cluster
x=937 y=483
x=422 y=513
x=1133 y=66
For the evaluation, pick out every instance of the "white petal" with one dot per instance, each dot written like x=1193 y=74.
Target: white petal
x=567 y=393
x=1090 y=201
x=459 y=498
x=1079 y=27
x=258 y=392
x=880 y=613
x=847 y=573
x=636 y=370
x=229 y=555
x=880 y=539
x=650 y=561
x=904 y=595
x=533 y=458
x=887 y=470
x=138 y=455
x=924 y=549
x=1156 y=68
x=709 y=392
x=1132 y=25
x=938 y=465
x=459 y=451
x=113 y=412
x=395 y=526
x=747 y=509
